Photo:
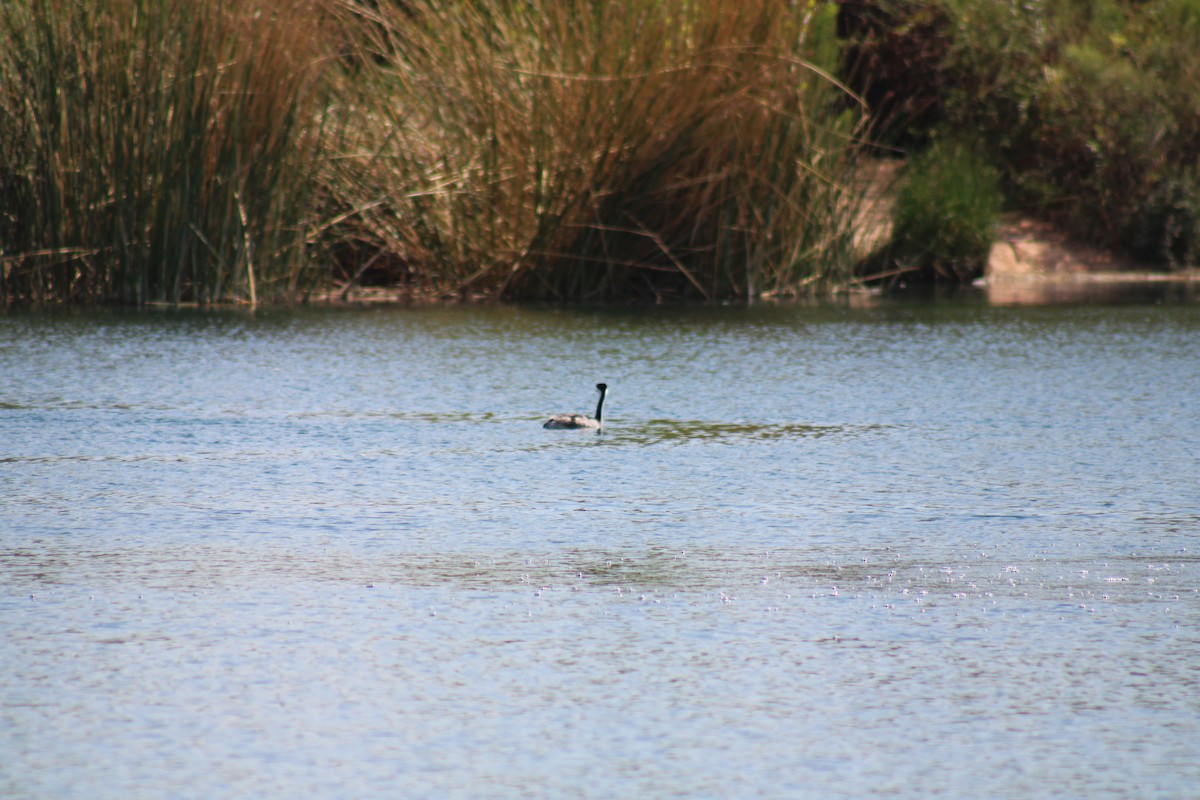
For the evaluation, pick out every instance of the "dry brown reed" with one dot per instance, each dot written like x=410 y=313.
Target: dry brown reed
x=157 y=150
x=225 y=151
x=588 y=150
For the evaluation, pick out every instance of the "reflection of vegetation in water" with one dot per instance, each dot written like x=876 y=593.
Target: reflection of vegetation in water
x=641 y=568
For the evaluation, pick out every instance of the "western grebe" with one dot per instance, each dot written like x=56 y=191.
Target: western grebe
x=581 y=420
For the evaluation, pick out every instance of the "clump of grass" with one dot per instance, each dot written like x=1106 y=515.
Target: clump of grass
x=576 y=150
x=945 y=214
x=157 y=150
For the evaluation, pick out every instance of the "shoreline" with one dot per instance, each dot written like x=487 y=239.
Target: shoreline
x=1033 y=263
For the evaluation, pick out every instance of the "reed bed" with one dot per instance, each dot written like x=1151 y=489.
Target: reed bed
x=216 y=151
x=158 y=150
x=590 y=150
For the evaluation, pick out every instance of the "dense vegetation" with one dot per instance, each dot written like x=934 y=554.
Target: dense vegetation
x=175 y=150
x=1090 y=109
x=244 y=151
x=157 y=150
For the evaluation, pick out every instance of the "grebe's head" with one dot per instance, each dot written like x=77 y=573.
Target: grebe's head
x=602 y=387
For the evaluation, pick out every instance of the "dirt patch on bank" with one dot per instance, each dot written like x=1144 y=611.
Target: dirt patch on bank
x=1027 y=248
x=1035 y=263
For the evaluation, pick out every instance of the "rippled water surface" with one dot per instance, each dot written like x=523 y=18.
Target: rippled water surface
x=917 y=550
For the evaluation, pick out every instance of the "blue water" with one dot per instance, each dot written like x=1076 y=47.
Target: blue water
x=918 y=549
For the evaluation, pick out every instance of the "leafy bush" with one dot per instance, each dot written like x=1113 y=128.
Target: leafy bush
x=945 y=216
x=1167 y=227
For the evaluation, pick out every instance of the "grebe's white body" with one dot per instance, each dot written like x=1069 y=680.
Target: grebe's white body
x=573 y=421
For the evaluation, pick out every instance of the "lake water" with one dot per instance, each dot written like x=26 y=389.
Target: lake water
x=914 y=550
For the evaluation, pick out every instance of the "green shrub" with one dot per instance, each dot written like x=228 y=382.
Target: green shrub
x=1166 y=228
x=945 y=216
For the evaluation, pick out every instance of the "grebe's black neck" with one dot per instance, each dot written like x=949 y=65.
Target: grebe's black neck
x=603 y=389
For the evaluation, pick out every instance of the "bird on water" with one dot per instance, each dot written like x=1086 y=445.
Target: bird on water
x=581 y=420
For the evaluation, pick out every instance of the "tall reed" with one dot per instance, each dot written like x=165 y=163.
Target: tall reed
x=157 y=150
x=576 y=149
